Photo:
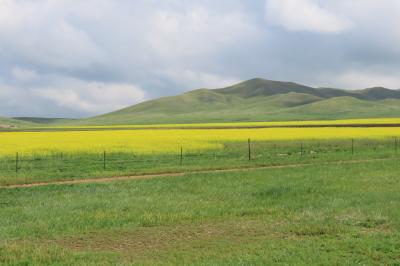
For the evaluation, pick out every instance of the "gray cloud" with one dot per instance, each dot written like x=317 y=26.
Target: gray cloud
x=80 y=58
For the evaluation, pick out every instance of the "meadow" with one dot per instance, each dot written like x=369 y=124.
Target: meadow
x=232 y=196
x=323 y=214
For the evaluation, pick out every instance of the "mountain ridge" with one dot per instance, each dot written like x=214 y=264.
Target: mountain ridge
x=256 y=99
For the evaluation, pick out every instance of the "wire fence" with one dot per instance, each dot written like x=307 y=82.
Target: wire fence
x=233 y=154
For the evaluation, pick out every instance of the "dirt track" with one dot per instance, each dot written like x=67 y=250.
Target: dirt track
x=148 y=176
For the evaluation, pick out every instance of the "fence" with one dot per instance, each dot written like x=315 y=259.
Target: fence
x=233 y=154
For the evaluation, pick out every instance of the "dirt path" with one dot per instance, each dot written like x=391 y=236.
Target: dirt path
x=148 y=176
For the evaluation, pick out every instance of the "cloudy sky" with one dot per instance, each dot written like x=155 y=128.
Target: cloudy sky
x=66 y=58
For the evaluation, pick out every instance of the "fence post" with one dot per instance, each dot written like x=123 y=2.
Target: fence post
x=181 y=158
x=352 y=146
x=301 y=149
x=249 y=148
x=16 y=163
x=104 y=160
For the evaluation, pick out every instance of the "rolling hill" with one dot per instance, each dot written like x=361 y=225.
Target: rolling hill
x=258 y=100
x=28 y=122
x=6 y=123
x=253 y=100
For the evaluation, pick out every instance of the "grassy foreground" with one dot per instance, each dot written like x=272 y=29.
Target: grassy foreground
x=329 y=214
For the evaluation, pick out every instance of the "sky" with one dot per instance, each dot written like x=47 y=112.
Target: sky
x=70 y=58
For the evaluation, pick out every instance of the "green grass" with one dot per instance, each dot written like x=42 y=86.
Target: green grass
x=314 y=215
x=33 y=168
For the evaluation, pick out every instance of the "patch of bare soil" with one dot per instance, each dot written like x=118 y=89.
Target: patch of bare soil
x=136 y=243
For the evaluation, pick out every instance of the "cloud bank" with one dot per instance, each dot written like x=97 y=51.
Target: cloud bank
x=62 y=58
x=305 y=15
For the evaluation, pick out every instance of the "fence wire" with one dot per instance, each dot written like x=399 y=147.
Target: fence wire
x=258 y=152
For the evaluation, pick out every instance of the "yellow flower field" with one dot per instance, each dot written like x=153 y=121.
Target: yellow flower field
x=168 y=141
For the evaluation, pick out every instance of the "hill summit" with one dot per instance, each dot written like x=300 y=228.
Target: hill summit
x=252 y=100
x=258 y=100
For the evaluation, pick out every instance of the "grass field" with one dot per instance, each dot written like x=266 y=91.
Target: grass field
x=333 y=200
x=346 y=214
x=60 y=166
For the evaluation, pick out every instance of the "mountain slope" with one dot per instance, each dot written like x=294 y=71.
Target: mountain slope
x=30 y=122
x=42 y=120
x=257 y=100
x=6 y=122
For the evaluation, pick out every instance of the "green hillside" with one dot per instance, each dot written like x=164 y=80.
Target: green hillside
x=44 y=120
x=252 y=100
x=6 y=123
x=257 y=100
x=28 y=122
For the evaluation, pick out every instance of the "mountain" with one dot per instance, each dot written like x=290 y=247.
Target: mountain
x=253 y=100
x=6 y=123
x=43 y=120
x=257 y=100
x=27 y=122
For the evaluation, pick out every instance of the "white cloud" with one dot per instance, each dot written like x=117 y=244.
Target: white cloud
x=69 y=98
x=305 y=15
x=358 y=79
x=8 y=94
x=41 y=33
x=197 y=32
x=376 y=19
x=24 y=74
x=198 y=79
x=64 y=55
x=92 y=97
